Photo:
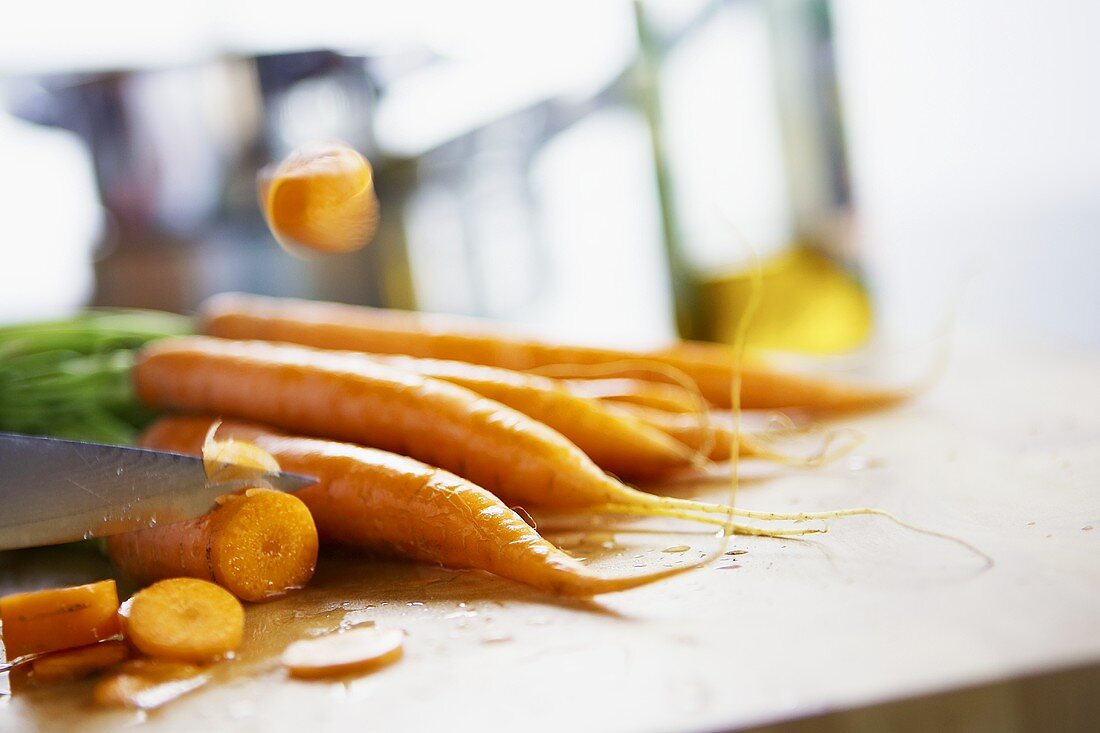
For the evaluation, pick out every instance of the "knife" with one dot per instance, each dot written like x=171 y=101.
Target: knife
x=54 y=491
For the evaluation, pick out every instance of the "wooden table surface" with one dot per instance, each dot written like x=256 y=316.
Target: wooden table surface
x=1003 y=453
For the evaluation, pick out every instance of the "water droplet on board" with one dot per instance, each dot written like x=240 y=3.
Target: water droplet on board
x=461 y=614
x=863 y=463
x=356 y=618
x=677 y=548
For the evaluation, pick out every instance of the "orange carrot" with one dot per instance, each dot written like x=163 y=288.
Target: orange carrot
x=59 y=618
x=185 y=620
x=146 y=684
x=711 y=433
x=394 y=505
x=347 y=396
x=73 y=664
x=258 y=545
x=336 y=326
x=668 y=397
x=615 y=441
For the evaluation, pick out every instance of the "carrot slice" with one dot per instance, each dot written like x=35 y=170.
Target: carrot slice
x=185 y=620
x=60 y=618
x=352 y=652
x=148 y=683
x=226 y=460
x=321 y=197
x=74 y=664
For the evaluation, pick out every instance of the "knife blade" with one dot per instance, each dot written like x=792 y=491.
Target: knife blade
x=54 y=491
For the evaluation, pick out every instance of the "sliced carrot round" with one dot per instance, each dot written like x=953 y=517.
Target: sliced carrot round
x=265 y=544
x=148 y=683
x=185 y=619
x=321 y=197
x=73 y=664
x=351 y=652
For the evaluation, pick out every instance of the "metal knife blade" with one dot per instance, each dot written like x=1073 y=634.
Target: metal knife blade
x=54 y=491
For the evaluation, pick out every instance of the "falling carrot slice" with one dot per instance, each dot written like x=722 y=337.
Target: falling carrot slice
x=351 y=652
x=321 y=197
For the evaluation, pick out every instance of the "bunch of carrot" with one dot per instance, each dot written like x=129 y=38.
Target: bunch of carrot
x=426 y=435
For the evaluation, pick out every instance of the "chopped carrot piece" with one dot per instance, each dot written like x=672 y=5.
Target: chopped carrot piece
x=185 y=620
x=148 y=683
x=351 y=652
x=74 y=664
x=258 y=545
x=60 y=618
x=321 y=197
x=225 y=460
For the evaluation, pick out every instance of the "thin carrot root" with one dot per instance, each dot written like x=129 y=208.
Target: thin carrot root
x=355 y=651
x=185 y=620
x=147 y=684
x=258 y=545
x=729 y=526
x=61 y=618
x=74 y=664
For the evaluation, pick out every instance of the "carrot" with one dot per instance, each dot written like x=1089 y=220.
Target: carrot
x=336 y=326
x=394 y=505
x=349 y=652
x=185 y=620
x=669 y=397
x=147 y=684
x=60 y=618
x=709 y=433
x=258 y=545
x=320 y=197
x=73 y=664
x=615 y=442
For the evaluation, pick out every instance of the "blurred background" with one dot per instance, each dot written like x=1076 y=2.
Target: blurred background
x=601 y=171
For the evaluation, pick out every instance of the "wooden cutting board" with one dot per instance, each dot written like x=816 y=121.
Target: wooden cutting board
x=1004 y=453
